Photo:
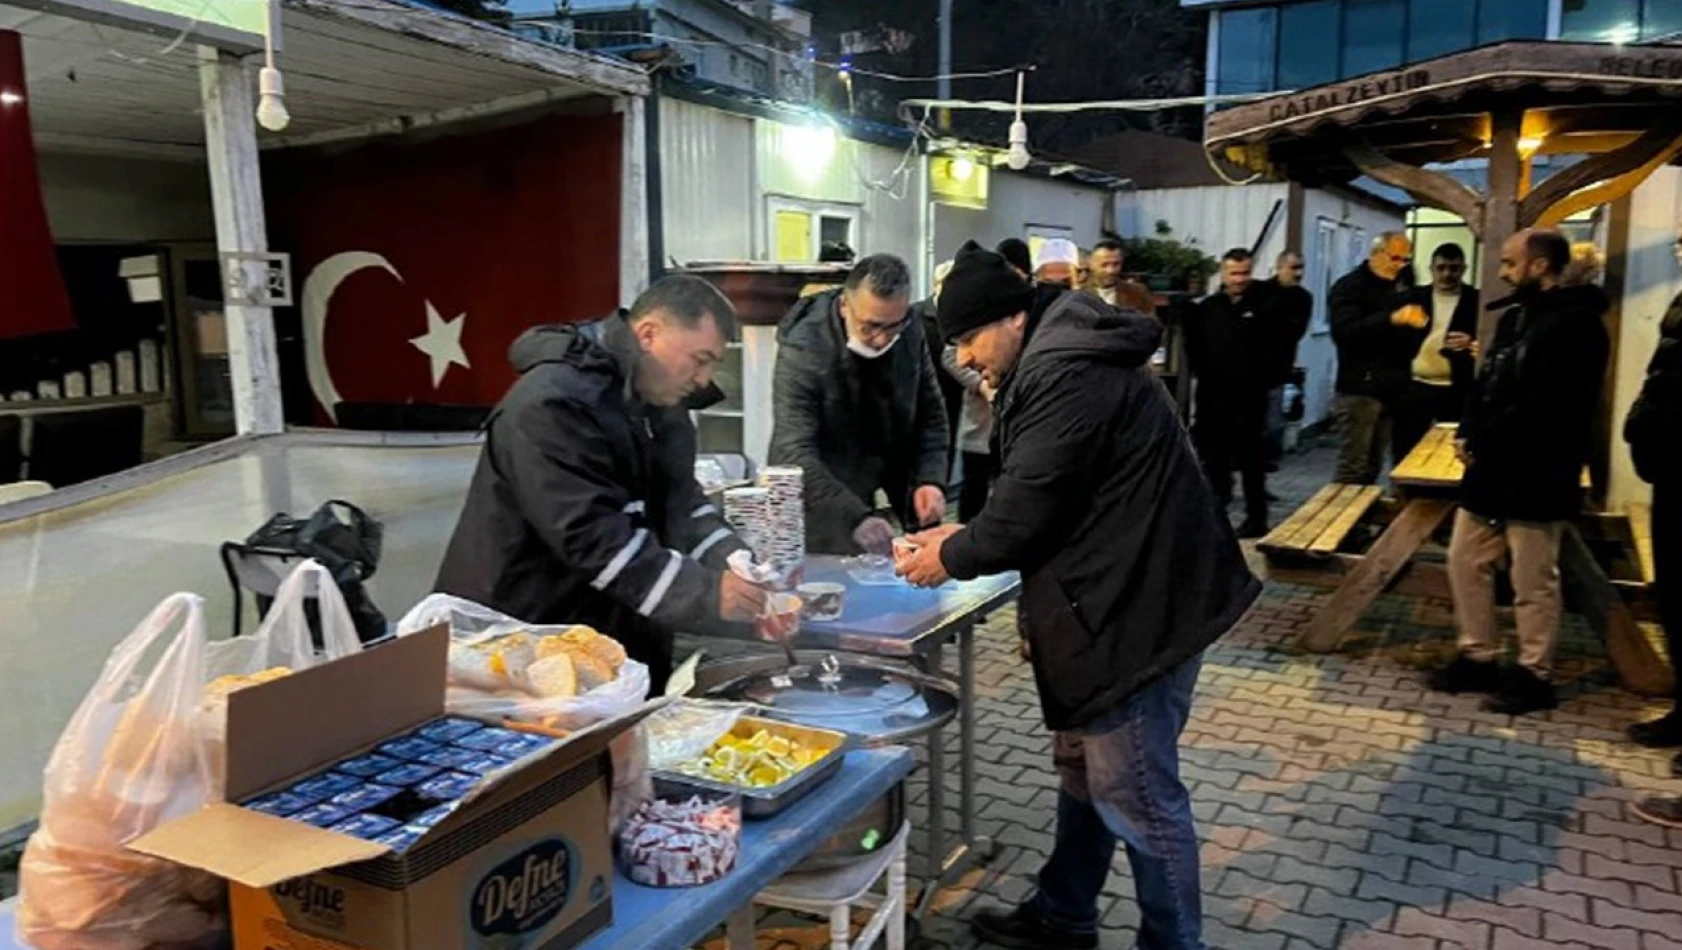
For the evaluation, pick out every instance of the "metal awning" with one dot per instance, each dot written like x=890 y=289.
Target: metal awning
x=353 y=68
x=1577 y=98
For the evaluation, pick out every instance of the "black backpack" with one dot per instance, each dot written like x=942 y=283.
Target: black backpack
x=346 y=541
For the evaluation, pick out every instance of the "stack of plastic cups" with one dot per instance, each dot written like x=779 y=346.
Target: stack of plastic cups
x=749 y=511
x=785 y=541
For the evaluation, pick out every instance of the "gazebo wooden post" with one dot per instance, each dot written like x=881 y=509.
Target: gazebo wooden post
x=1500 y=212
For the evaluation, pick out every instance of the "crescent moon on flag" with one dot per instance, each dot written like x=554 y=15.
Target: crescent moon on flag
x=319 y=288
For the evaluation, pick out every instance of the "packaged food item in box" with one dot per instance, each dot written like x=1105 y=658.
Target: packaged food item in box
x=280 y=804
x=448 y=729
x=324 y=785
x=447 y=787
x=408 y=748
x=323 y=815
x=364 y=797
x=489 y=738
x=401 y=838
x=407 y=774
x=521 y=745
x=461 y=760
x=371 y=827
x=368 y=766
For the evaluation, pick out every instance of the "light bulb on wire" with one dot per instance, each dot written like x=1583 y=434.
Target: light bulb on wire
x=1018 y=156
x=271 y=101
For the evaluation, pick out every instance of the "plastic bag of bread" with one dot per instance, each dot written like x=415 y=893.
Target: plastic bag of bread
x=562 y=677
x=130 y=758
x=282 y=644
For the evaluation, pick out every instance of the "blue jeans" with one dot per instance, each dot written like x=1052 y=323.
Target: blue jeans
x=1121 y=783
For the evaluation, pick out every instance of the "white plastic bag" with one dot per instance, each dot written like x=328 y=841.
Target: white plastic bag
x=471 y=624
x=130 y=759
x=281 y=643
x=685 y=729
x=486 y=700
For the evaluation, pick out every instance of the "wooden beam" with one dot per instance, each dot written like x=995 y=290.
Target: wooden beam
x=1638 y=666
x=1500 y=213
x=1390 y=554
x=1607 y=191
x=236 y=196
x=1427 y=187
x=633 y=198
x=1655 y=147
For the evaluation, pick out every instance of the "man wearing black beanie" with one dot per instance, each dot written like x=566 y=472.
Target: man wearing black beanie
x=1128 y=574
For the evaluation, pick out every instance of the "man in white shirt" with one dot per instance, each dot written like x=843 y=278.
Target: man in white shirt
x=1443 y=367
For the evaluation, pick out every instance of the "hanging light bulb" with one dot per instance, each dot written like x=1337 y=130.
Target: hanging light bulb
x=1018 y=157
x=271 y=101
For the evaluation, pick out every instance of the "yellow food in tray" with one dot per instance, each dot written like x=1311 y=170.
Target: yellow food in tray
x=760 y=761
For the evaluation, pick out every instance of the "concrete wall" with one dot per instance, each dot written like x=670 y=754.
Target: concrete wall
x=100 y=198
x=1651 y=279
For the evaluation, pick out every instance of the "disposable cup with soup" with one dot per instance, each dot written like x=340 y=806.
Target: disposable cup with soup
x=823 y=600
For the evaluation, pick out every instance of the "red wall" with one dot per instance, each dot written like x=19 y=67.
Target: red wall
x=512 y=228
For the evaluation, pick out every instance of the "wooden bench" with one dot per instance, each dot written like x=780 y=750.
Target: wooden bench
x=1641 y=532
x=1319 y=527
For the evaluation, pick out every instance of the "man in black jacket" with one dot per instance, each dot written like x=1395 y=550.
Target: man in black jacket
x=1293 y=306
x=584 y=506
x=1444 y=366
x=856 y=404
x=1232 y=341
x=950 y=391
x=1653 y=430
x=1129 y=572
x=1525 y=439
x=1377 y=333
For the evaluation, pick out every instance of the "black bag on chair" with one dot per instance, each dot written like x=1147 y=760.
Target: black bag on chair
x=344 y=540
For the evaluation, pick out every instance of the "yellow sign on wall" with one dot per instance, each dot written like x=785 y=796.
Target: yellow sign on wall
x=959 y=180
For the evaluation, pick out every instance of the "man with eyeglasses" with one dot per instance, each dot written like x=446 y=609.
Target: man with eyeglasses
x=1377 y=331
x=1443 y=366
x=856 y=403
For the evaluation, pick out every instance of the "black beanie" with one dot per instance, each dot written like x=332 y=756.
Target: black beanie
x=1015 y=250
x=981 y=289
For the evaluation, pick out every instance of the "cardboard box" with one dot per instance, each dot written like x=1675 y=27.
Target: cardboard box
x=524 y=862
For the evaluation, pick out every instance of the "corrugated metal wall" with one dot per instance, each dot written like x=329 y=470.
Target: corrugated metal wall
x=1214 y=218
x=1015 y=202
x=706 y=182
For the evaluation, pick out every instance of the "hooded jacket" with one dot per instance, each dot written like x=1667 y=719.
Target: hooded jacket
x=818 y=391
x=584 y=506
x=1653 y=428
x=1128 y=568
x=1529 y=423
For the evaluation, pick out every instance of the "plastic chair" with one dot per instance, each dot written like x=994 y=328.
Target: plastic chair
x=833 y=894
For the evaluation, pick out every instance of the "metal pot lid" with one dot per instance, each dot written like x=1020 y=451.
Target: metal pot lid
x=877 y=702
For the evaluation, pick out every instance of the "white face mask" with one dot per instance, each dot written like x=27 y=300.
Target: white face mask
x=870 y=352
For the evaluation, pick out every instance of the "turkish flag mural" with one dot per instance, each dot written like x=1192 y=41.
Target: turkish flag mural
x=418 y=264
x=32 y=295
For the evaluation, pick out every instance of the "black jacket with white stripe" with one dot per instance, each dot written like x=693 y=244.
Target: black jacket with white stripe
x=584 y=507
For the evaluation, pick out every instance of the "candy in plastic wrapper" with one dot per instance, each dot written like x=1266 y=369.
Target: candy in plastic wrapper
x=401 y=839
x=326 y=785
x=671 y=843
x=367 y=766
x=451 y=757
x=447 y=787
x=279 y=804
x=364 y=797
x=324 y=815
x=369 y=827
x=488 y=738
x=449 y=729
x=408 y=748
x=521 y=745
x=407 y=774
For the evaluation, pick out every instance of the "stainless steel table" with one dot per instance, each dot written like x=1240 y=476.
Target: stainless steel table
x=897 y=621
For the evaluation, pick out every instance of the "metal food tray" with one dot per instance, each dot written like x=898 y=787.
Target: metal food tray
x=766 y=802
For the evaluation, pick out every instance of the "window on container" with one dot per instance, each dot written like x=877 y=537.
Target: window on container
x=1247 y=39
x=1308 y=44
x=1512 y=20
x=1662 y=18
x=1436 y=27
x=1600 y=21
x=1373 y=31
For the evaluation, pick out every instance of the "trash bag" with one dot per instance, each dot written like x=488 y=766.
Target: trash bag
x=129 y=760
x=142 y=750
x=346 y=541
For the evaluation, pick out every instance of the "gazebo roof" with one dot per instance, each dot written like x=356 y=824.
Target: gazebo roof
x=1577 y=97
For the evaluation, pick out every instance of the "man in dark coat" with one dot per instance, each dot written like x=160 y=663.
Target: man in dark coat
x=1293 y=307
x=1653 y=430
x=857 y=405
x=1232 y=339
x=1129 y=572
x=584 y=506
x=1443 y=367
x=951 y=392
x=1525 y=438
x=1377 y=333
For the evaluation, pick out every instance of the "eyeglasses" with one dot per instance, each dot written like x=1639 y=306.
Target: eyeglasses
x=1450 y=266
x=883 y=329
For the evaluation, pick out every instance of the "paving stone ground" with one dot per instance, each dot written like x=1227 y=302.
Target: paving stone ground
x=1342 y=804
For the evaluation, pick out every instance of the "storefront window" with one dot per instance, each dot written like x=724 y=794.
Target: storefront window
x=1436 y=27
x=1246 y=50
x=1372 y=35
x=1308 y=44
x=1600 y=21
x=1512 y=20
x=1662 y=19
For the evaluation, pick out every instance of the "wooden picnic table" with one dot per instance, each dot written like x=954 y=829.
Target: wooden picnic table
x=1427 y=484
